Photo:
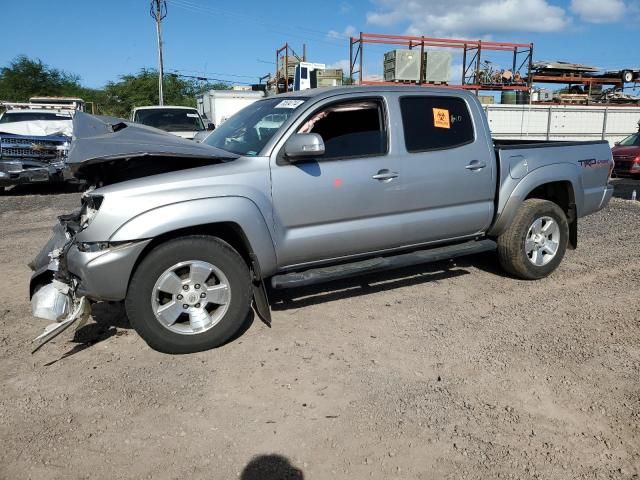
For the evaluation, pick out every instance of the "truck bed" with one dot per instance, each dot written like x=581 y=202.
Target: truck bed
x=585 y=165
x=513 y=144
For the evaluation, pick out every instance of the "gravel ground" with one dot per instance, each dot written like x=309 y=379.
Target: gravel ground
x=446 y=371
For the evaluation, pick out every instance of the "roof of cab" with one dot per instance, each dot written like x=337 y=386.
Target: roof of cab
x=330 y=91
x=157 y=107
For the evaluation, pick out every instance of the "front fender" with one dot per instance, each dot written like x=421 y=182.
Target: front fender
x=514 y=192
x=193 y=213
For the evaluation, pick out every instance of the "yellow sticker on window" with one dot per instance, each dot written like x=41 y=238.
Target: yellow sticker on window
x=441 y=118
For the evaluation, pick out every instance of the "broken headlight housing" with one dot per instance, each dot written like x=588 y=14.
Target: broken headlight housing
x=90 y=206
x=90 y=247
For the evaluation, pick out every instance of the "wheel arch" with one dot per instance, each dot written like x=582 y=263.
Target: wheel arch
x=236 y=220
x=558 y=183
x=562 y=194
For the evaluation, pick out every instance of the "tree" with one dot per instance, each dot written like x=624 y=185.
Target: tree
x=24 y=78
x=142 y=89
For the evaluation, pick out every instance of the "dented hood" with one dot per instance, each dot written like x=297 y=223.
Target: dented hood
x=98 y=139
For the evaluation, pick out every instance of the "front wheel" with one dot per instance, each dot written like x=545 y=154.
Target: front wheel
x=189 y=294
x=535 y=243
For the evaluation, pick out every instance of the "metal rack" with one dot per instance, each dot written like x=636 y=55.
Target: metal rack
x=283 y=78
x=472 y=58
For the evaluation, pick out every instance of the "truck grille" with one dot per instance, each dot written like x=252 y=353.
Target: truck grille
x=37 y=148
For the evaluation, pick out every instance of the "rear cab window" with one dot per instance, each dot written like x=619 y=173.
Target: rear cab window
x=435 y=123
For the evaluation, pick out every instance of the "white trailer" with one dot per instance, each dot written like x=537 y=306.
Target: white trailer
x=562 y=122
x=219 y=105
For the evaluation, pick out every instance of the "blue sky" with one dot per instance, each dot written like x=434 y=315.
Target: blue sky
x=237 y=40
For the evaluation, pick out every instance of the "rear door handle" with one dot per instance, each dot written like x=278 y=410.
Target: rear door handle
x=385 y=175
x=476 y=165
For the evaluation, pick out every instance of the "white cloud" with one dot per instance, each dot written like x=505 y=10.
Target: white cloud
x=345 y=7
x=343 y=64
x=599 y=11
x=349 y=31
x=470 y=17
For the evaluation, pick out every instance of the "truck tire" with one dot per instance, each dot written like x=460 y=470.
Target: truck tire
x=627 y=76
x=535 y=243
x=189 y=294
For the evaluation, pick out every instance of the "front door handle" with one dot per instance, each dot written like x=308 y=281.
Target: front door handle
x=385 y=175
x=476 y=165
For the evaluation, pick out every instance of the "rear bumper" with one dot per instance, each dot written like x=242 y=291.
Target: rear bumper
x=626 y=168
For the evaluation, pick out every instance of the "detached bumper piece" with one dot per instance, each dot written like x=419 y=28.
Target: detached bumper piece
x=54 y=302
x=53 y=297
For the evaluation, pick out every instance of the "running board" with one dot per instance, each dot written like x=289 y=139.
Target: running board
x=373 y=265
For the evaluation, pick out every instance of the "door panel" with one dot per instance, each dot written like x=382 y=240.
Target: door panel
x=325 y=210
x=331 y=206
x=450 y=184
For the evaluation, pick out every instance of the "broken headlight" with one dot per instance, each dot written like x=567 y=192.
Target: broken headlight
x=90 y=206
x=93 y=246
x=90 y=247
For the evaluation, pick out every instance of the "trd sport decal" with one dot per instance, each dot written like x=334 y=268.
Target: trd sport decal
x=593 y=163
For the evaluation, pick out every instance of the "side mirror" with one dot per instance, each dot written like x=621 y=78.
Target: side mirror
x=210 y=127
x=304 y=145
x=616 y=144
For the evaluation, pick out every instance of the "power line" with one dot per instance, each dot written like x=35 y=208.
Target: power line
x=316 y=35
x=204 y=72
x=208 y=79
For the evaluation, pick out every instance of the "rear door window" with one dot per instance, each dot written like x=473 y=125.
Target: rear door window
x=435 y=123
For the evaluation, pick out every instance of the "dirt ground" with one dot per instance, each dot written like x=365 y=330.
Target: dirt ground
x=447 y=371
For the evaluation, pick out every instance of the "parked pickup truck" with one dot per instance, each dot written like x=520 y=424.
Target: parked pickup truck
x=298 y=189
x=31 y=159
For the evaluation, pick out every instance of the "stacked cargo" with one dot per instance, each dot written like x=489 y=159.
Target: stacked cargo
x=329 y=77
x=404 y=66
x=292 y=62
x=437 y=66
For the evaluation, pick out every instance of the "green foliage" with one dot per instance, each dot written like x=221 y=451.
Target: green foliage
x=24 y=78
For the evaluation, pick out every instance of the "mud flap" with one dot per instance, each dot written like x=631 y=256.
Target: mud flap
x=261 y=302
x=260 y=298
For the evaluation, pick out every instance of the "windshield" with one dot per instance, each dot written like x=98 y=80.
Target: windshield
x=631 y=141
x=9 y=117
x=170 y=119
x=249 y=130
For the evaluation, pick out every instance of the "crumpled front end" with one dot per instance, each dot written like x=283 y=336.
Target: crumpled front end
x=70 y=272
x=53 y=289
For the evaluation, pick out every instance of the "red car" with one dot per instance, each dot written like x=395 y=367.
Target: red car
x=626 y=155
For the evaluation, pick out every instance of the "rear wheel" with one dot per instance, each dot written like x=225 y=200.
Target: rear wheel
x=189 y=294
x=535 y=243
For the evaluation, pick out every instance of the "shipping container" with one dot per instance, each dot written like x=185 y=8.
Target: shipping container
x=219 y=105
x=562 y=122
x=437 y=64
x=402 y=65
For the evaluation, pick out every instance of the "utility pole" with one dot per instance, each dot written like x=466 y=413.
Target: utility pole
x=158 y=11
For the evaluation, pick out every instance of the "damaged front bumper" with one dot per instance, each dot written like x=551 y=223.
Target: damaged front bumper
x=52 y=291
x=19 y=172
x=66 y=280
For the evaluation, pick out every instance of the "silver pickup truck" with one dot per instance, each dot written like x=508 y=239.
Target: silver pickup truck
x=298 y=189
